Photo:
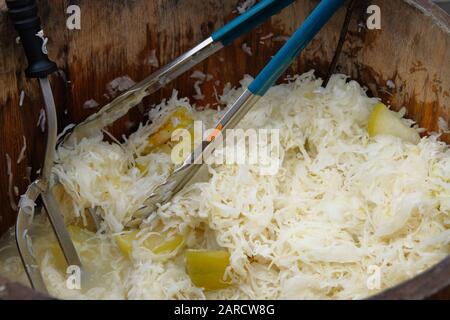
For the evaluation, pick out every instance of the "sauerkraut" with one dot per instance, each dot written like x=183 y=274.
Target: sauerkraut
x=341 y=208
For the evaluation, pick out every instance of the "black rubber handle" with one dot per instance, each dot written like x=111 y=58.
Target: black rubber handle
x=24 y=13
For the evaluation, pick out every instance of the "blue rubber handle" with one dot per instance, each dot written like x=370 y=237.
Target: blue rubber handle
x=281 y=61
x=249 y=20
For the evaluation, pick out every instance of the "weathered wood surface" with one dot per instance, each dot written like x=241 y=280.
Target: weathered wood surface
x=116 y=38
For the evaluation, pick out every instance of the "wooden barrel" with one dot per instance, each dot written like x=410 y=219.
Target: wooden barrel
x=406 y=63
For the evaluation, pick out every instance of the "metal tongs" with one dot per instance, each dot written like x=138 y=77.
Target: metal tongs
x=191 y=170
x=194 y=168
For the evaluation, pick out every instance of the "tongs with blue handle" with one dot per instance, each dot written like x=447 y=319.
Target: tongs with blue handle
x=194 y=168
x=218 y=40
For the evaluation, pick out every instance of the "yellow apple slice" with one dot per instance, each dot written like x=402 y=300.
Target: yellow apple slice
x=383 y=121
x=207 y=268
x=157 y=243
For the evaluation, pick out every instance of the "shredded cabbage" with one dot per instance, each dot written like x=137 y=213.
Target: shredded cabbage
x=341 y=204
